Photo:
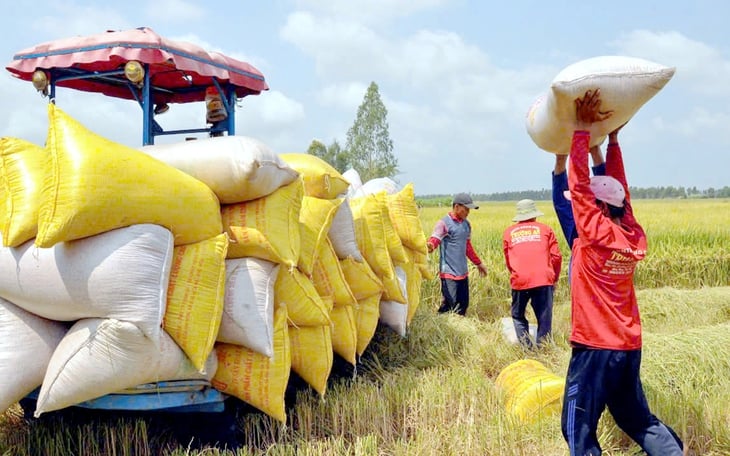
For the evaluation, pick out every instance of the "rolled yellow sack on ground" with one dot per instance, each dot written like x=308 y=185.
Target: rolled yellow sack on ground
x=93 y=185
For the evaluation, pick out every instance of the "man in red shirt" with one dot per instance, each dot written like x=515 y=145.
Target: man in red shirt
x=606 y=328
x=533 y=260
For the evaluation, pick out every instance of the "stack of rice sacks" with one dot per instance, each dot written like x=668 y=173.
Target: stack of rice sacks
x=215 y=260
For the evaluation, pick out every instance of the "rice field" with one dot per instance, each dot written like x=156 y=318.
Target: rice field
x=434 y=392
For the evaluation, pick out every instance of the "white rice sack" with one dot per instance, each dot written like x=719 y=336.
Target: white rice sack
x=394 y=314
x=27 y=342
x=236 y=168
x=379 y=184
x=121 y=274
x=104 y=356
x=342 y=233
x=353 y=177
x=626 y=84
x=248 y=312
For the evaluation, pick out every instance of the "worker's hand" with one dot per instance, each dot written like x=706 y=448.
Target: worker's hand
x=430 y=247
x=588 y=109
x=613 y=136
x=560 y=163
x=482 y=269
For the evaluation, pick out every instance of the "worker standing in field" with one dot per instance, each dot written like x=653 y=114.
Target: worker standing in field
x=533 y=259
x=452 y=234
x=606 y=328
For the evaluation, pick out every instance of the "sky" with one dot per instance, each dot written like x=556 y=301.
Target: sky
x=456 y=76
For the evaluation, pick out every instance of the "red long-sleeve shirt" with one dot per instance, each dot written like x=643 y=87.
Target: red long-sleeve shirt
x=532 y=255
x=604 y=310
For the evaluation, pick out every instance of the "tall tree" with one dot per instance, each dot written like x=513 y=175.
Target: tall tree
x=368 y=141
x=332 y=154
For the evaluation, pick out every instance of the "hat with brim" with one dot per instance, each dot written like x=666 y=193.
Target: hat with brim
x=526 y=210
x=465 y=200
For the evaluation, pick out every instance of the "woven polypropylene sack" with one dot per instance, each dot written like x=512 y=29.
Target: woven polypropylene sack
x=321 y=180
x=237 y=168
x=315 y=219
x=248 y=312
x=366 y=318
x=626 y=84
x=103 y=356
x=305 y=307
x=22 y=170
x=312 y=354
x=93 y=185
x=406 y=220
x=268 y=227
x=344 y=332
x=27 y=342
x=195 y=296
x=122 y=274
x=370 y=234
x=360 y=277
x=328 y=278
x=256 y=379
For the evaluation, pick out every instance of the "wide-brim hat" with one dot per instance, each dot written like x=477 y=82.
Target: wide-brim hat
x=526 y=210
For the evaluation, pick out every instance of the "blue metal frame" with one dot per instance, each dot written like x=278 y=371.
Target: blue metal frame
x=150 y=127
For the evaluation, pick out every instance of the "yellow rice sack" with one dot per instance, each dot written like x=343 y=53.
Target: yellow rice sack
x=22 y=169
x=531 y=391
x=414 y=280
x=328 y=278
x=312 y=355
x=321 y=180
x=360 y=277
x=366 y=318
x=370 y=234
x=304 y=305
x=428 y=270
x=344 y=332
x=395 y=247
x=195 y=296
x=403 y=212
x=254 y=378
x=268 y=227
x=315 y=219
x=93 y=185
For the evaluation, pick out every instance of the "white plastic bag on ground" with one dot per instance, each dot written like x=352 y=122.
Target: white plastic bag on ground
x=626 y=84
x=236 y=168
x=27 y=342
x=103 y=356
x=121 y=274
x=248 y=313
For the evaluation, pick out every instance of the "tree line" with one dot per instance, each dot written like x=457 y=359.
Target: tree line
x=669 y=192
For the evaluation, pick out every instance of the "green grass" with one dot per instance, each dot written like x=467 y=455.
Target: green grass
x=434 y=392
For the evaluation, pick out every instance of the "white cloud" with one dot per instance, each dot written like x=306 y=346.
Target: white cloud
x=699 y=66
x=68 y=18
x=174 y=11
x=374 y=12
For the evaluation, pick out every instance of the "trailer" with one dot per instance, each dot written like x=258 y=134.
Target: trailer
x=155 y=72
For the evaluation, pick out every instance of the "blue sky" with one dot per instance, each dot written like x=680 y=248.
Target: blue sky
x=457 y=78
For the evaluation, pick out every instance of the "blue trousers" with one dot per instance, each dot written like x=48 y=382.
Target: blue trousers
x=455 y=296
x=600 y=378
x=541 y=299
